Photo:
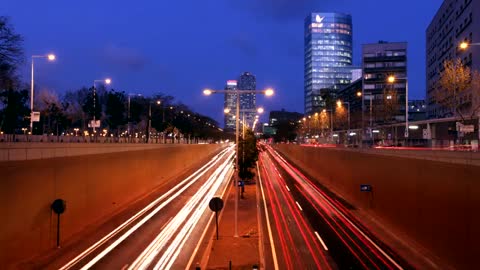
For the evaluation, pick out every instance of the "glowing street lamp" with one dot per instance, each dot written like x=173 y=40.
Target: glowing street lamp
x=339 y=105
x=391 y=80
x=465 y=45
x=238 y=92
x=106 y=81
x=50 y=57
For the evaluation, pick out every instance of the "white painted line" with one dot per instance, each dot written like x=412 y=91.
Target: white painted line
x=272 y=244
x=287 y=187
x=321 y=241
x=200 y=171
x=200 y=241
x=299 y=206
x=347 y=219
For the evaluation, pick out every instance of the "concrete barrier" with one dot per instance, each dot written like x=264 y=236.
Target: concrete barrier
x=436 y=204
x=94 y=186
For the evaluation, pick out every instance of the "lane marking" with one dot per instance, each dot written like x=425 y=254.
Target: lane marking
x=287 y=187
x=200 y=241
x=113 y=233
x=270 y=236
x=321 y=241
x=308 y=182
x=299 y=206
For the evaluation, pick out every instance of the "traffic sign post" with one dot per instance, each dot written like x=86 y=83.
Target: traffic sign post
x=58 y=206
x=216 y=204
x=365 y=188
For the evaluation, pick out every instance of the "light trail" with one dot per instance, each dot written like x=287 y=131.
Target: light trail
x=313 y=194
x=270 y=236
x=173 y=237
x=182 y=186
x=302 y=227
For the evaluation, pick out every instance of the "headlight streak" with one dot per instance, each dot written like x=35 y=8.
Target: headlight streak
x=336 y=209
x=190 y=215
x=187 y=182
x=200 y=209
x=301 y=225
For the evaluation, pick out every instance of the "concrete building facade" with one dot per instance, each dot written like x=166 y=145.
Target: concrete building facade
x=456 y=21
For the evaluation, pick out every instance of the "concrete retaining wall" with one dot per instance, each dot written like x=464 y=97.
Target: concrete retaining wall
x=94 y=187
x=437 y=204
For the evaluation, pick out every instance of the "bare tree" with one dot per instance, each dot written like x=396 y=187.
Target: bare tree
x=452 y=89
x=390 y=106
x=11 y=53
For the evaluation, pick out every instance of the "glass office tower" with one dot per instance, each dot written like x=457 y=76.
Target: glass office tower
x=328 y=57
x=230 y=103
x=247 y=81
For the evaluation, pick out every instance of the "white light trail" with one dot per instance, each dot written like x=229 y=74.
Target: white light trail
x=187 y=182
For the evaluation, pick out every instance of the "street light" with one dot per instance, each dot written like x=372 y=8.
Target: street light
x=50 y=57
x=391 y=80
x=464 y=45
x=158 y=102
x=106 y=81
x=129 y=122
x=237 y=92
x=331 y=119
x=339 y=105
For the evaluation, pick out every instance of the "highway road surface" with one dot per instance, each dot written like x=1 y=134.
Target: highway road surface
x=163 y=234
x=309 y=228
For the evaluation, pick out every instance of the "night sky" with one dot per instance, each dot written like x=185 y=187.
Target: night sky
x=179 y=47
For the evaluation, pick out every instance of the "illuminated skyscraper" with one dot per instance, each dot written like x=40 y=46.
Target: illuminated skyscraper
x=328 y=56
x=247 y=81
x=230 y=103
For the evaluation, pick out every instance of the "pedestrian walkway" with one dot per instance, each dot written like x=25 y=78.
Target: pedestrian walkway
x=241 y=251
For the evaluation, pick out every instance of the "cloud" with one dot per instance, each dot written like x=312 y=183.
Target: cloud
x=127 y=58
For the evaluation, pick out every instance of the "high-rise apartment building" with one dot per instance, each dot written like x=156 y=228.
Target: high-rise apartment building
x=456 y=21
x=230 y=103
x=328 y=56
x=380 y=61
x=247 y=81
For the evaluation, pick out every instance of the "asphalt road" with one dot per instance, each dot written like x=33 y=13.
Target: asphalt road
x=161 y=232
x=313 y=229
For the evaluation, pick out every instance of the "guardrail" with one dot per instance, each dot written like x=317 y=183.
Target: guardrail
x=9 y=138
x=434 y=154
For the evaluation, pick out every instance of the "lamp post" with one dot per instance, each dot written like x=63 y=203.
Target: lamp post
x=391 y=80
x=331 y=121
x=238 y=92
x=158 y=102
x=368 y=95
x=339 y=105
x=128 y=114
x=106 y=81
x=50 y=57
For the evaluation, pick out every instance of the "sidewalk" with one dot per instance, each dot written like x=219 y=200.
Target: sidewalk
x=242 y=251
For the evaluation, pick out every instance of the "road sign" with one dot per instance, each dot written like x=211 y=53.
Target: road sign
x=216 y=204
x=365 y=188
x=94 y=124
x=35 y=116
x=467 y=128
x=241 y=183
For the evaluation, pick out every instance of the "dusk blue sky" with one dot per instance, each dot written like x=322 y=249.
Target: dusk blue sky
x=179 y=47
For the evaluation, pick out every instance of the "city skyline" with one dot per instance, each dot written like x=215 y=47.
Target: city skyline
x=270 y=47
